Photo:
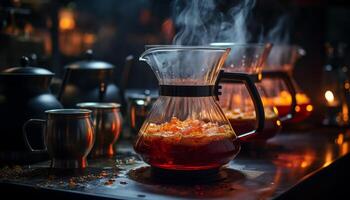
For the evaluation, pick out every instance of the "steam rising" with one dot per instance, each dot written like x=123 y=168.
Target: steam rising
x=234 y=28
x=200 y=22
x=282 y=56
x=279 y=34
x=193 y=21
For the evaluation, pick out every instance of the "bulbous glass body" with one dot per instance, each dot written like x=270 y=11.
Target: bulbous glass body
x=282 y=58
x=236 y=101
x=186 y=132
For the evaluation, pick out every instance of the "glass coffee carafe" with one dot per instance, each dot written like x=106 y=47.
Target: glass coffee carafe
x=186 y=128
x=235 y=100
x=278 y=82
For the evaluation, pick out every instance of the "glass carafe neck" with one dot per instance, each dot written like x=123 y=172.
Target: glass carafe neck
x=185 y=65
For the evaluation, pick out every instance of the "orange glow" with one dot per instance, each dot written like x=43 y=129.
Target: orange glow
x=347 y=85
x=66 y=20
x=297 y=108
x=284 y=98
x=345 y=112
x=328 y=158
x=168 y=29
x=344 y=148
x=89 y=39
x=133 y=117
x=340 y=139
x=304 y=164
x=275 y=110
x=295 y=160
x=329 y=96
x=278 y=122
x=309 y=108
x=28 y=28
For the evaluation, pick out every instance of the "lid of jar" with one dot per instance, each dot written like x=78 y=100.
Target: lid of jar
x=98 y=105
x=89 y=63
x=26 y=70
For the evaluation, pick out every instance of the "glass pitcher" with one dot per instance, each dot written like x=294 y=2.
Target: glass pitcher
x=235 y=100
x=186 y=128
x=291 y=102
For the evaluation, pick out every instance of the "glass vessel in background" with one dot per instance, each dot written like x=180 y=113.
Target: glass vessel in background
x=186 y=128
x=281 y=61
x=235 y=99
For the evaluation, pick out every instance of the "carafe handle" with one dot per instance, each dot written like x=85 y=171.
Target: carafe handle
x=25 y=135
x=254 y=94
x=290 y=87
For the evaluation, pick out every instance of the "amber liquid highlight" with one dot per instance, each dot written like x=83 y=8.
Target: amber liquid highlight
x=245 y=123
x=271 y=128
x=283 y=104
x=191 y=148
x=301 y=112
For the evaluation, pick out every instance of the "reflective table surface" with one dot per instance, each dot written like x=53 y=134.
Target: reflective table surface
x=291 y=165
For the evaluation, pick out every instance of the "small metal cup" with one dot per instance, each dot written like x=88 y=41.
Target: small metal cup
x=68 y=136
x=139 y=106
x=107 y=122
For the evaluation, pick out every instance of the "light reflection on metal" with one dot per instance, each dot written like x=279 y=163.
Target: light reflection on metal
x=297 y=160
x=328 y=157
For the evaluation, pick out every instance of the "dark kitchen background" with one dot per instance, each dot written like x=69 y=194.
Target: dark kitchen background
x=59 y=32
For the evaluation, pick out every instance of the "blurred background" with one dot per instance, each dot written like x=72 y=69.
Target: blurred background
x=59 y=32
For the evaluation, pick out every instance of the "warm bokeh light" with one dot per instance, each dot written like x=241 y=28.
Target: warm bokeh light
x=347 y=85
x=345 y=112
x=340 y=139
x=309 y=108
x=278 y=122
x=297 y=109
x=284 y=98
x=66 y=20
x=344 y=148
x=304 y=164
x=275 y=110
x=168 y=29
x=329 y=96
x=297 y=160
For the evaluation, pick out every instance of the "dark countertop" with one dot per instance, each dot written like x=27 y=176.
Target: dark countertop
x=294 y=164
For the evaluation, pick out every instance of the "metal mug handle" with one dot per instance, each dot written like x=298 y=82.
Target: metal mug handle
x=254 y=94
x=25 y=135
x=290 y=87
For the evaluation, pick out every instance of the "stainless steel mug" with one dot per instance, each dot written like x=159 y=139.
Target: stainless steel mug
x=138 y=107
x=68 y=136
x=107 y=122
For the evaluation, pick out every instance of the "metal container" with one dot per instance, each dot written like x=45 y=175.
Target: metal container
x=88 y=81
x=138 y=107
x=107 y=122
x=68 y=138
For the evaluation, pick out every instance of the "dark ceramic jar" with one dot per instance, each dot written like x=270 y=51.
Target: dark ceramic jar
x=88 y=81
x=24 y=94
